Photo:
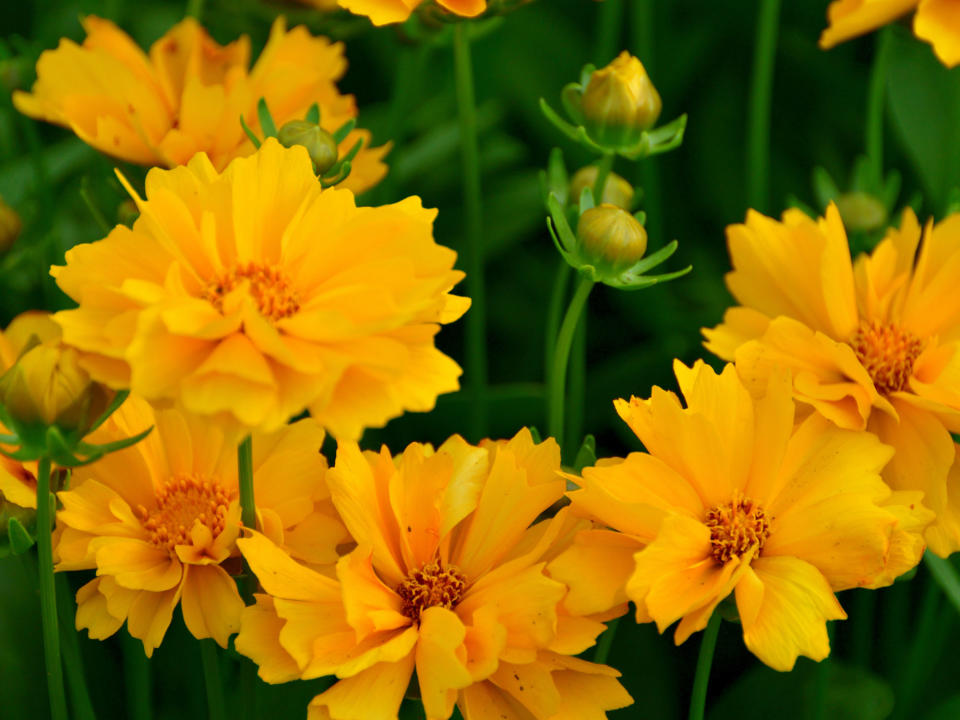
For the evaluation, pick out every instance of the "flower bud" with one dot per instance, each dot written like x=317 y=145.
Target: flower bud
x=616 y=191
x=320 y=144
x=611 y=238
x=861 y=211
x=620 y=101
x=10 y=226
x=47 y=386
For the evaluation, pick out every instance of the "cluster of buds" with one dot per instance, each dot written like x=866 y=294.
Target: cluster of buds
x=322 y=146
x=614 y=110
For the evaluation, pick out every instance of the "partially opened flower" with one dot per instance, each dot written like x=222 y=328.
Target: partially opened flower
x=188 y=95
x=253 y=294
x=733 y=499
x=447 y=579
x=158 y=521
x=935 y=21
x=871 y=345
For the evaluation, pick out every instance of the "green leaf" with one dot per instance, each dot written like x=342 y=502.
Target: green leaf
x=267 y=125
x=20 y=538
x=340 y=134
x=313 y=114
x=250 y=133
x=586 y=455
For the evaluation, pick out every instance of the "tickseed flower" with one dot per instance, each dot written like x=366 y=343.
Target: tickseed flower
x=872 y=344
x=158 y=521
x=252 y=294
x=447 y=578
x=935 y=21
x=188 y=95
x=733 y=498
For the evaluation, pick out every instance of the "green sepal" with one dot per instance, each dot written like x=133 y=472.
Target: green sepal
x=535 y=434
x=352 y=152
x=555 y=180
x=586 y=201
x=118 y=399
x=824 y=187
x=586 y=455
x=342 y=173
x=567 y=238
x=313 y=114
x=267 y=125
x=341 y=132
x=626 y=281
x=663 y=139
x=20 y=538
x=571 y=98
x=250 y=133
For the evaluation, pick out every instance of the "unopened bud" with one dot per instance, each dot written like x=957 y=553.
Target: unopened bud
x=320 y=144
x=620 y=101
x=861 y=211
x=611 y=238
x=616 y=190
x=10 y=226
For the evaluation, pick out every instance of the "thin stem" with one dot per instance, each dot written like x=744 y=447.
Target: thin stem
x=875 y=98
x=608 y=30
x=136 y=676
x=761 y=93
x=946 y=577
x=248 y=506
x=698 y=698
x=604 y=168
x=605 y=643
x=642 y=22
x=554 y=314
x=48 y=594
x=72 y=661
x=577 y=388
x=561 y=355
x=925 y=629
x=476 y=364
x=195 y=9
x=211 y=678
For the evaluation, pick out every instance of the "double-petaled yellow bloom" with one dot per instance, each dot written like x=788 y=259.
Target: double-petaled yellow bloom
x=252 y=294
x=159 y=521
x=448 y=578
x=733 y=498
x=872 y=345
x=188 y=95
x=936 y=21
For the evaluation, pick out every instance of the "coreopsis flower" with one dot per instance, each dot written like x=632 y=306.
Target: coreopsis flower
x=447 y=579
x=734 y=499
x=935 y=21
x=872 y=344
x=159 y=521
x=252 y=294
x=188 y=95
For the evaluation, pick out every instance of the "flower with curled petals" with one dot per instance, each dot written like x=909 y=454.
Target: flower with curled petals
x=871 y=344
x=159 y=521
x=188 y=94
x=733 y=499
x=252 y=294
x=447 y=579
x=935 y=21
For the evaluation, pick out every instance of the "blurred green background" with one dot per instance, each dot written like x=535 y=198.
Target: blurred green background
x=897 y=654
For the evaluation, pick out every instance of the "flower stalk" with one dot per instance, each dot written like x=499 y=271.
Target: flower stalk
x=211 y=677
x=561 y=355
x=761 y=95
x=48 y=594
x=698 y=698
x=875 y=102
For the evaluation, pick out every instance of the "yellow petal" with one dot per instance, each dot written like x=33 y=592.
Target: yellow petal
x=441 y=668
x=850 y=18
x=259 y=640
x=211 y=604
x=938 y=22
x=374 y=694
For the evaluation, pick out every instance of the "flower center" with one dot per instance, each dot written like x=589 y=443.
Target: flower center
x=888 y=353
x=430 y=586
x=269 y=286
x=736 y=527
x=183 y=501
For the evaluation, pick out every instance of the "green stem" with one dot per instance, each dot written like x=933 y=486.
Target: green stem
x=248 y=506
x=72 y=661
x=48 y=594
x=604 y=168
x=875 y=98
x=698 y=698
x=195 y=9
x=211 y=676
x=925 y=630
x=608 y=30
x=577 y=387
x=561 y=354
x=946 y=577
x=136 y=676
x=761 y=93
x=554 y=314
x=642 y=23
x=476 y=362
x=605 y=643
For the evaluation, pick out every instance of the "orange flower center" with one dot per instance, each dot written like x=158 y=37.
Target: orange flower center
x=182 y=502
x=737 y=527
x=268 y=286
x=888 y=353
x=430 y=586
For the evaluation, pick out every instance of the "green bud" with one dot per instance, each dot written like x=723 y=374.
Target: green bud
x=320 y=144
x=620 y=102
x=611 y=238
x=861 y=211
x=616 y=191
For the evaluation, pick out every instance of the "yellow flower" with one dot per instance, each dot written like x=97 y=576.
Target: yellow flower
x=733 y=498
x=935 y=21
x=188 y=95
x=871 y=345
x=158 y=521
x=384 y=12
x=447 y=578
x=620 y=101
x=251 y=294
